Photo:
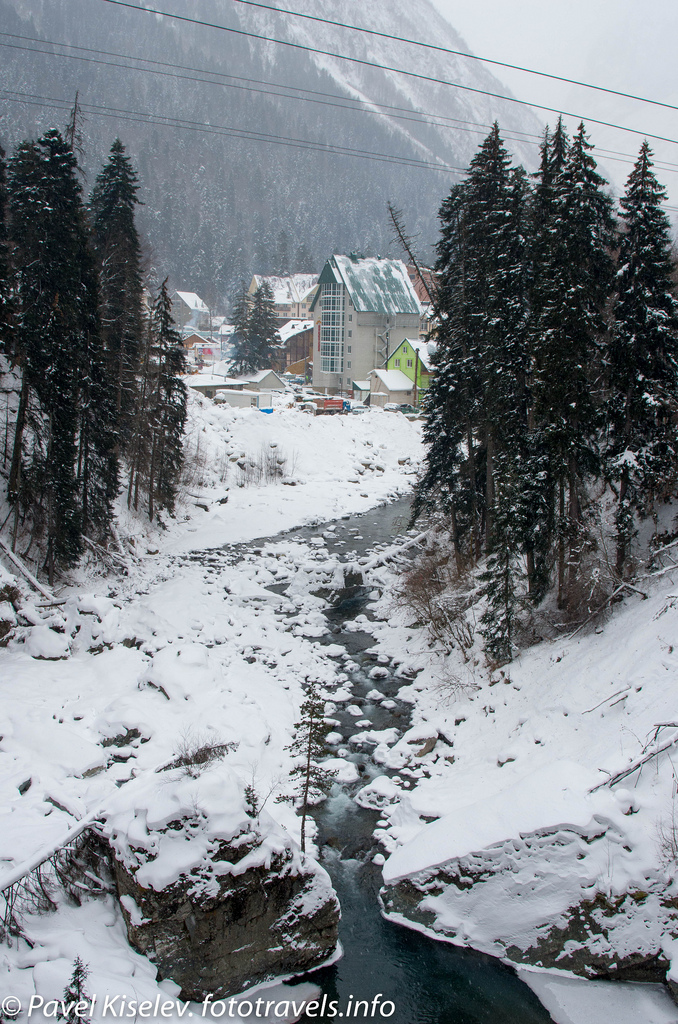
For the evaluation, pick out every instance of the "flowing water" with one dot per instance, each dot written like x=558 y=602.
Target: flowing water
x=429 y=982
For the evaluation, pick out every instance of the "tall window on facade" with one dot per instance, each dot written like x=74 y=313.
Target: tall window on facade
x=331 y=329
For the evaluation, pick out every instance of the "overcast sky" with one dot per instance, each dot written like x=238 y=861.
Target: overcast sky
x=629 y=45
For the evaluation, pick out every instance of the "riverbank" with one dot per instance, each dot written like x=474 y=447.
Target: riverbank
x=202 y=641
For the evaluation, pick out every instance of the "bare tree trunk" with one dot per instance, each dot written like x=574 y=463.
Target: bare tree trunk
x=15 y=468
x=561 y=543
x=574 y=527
x=489 y=490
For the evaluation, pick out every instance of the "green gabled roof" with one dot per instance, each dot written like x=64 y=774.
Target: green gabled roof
x=374 y=285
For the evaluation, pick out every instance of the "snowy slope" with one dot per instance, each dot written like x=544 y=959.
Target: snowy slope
x=190 y=647
x=517 y=772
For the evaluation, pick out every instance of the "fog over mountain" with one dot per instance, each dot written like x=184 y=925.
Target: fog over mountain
x=220 y=206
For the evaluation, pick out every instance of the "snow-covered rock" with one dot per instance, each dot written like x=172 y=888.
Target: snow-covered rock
x=217 y=899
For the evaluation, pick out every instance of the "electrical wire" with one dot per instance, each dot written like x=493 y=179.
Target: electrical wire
x=186 y=124
x=347 y=103
x=305 y=95
x=456 y=53
x=384 y=67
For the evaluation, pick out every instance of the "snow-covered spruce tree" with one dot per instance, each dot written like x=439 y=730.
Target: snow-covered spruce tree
x=575 y=282
x=168 y=407
x=545 y=249
x=242 y=358
x=477 y=400
x=450 y=481
x=116 y=242
x=6 y=299
x=263 y=327
x=58 y=344
x=310 y=745
x=74 y=993
x=642 y=445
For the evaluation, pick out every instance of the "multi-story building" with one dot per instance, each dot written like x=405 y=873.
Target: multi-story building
x=292 y=294
x=362 y=309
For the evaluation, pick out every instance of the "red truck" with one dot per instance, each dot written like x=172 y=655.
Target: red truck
x=329 y=406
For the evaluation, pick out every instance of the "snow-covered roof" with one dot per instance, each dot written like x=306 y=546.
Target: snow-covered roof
x=257 y=377
x=361 y=385
x=293 y=327
x=424 y=348
x=374 y=285
x=210 y=380
x=393 y=380
x=193 y=302
x=290 y=289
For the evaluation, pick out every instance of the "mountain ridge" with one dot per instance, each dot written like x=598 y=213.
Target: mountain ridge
x=219 y=207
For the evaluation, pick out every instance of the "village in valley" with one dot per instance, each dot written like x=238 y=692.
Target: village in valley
x=361 y=331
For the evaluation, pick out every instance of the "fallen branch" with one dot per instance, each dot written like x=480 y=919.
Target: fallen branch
x=636 y=765
x=392 y=552
x=105 y=552
x=618 y=590
x=16 y=561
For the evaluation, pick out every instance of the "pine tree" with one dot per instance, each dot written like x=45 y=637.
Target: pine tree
x=113 y=203
x=241 y=358
x=477 y=404
x=642 y=451
x=263 y=327
x=310 y=745
x=6 y=283
x=48 y=222
x=168 y=407
x=64 y=473
x=546 y=251
x=567 y=333
x=74 y=993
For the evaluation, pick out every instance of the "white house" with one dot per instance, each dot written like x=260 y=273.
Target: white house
x=362 y=307
x=390 y=386
x=190 y=311
x=292 y=294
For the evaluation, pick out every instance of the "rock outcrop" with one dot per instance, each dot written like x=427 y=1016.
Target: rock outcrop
x=218 y=900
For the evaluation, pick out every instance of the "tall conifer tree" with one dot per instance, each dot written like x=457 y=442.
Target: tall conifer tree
x=642 y=454
x=576 y=283
x=113 y=203
x=60 y=476
x=6 y=283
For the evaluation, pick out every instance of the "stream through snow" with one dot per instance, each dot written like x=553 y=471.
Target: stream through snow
x=429 y=982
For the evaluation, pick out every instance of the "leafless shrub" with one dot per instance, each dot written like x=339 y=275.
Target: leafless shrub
x=269 y=466
x=194 y=470
x=667 y=840
x=195 y=752
x=441 y=597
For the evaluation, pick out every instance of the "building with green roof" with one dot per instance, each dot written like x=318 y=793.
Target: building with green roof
x=361 y=306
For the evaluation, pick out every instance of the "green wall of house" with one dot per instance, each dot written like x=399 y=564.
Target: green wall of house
x=399 y=359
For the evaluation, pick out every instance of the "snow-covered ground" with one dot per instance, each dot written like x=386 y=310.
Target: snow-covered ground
x=186 y=649
x=192 y=645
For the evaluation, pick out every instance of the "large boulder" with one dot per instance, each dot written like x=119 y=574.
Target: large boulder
x=217 y=899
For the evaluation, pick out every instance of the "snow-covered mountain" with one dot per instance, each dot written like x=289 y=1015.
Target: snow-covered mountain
x=220 y=206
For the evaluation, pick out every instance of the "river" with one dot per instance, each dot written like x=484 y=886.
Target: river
x=429 y=982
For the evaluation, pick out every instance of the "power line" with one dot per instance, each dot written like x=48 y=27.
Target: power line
x=455 y=53
x=252 y=84
x=385 y=67
x=311 y=95
x=186 y=124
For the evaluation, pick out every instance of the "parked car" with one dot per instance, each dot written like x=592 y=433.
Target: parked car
x=407 y=408
x=391 y=407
